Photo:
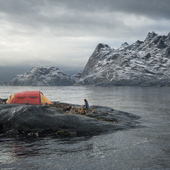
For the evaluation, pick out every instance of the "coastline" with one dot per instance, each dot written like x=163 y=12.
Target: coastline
x=38 y=119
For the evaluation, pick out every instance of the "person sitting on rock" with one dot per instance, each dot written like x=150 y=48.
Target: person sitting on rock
x=86 y=106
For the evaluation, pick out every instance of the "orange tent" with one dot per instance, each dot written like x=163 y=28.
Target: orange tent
x=28 y=97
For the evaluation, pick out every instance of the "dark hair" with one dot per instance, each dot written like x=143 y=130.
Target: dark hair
x=85 y=100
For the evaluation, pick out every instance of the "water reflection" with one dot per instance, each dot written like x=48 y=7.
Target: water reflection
x=22 y=149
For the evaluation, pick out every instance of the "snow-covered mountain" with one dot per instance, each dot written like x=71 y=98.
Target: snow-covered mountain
x=40 y=76
x=76 y=77
x=2 y=83
x=141 y=63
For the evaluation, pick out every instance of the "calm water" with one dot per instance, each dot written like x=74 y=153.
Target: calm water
x=142 y=148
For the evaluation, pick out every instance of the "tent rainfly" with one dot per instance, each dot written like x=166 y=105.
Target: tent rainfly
x=28 y=97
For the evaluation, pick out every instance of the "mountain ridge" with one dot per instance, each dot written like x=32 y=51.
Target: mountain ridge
x=141 y=63
x=41 y=76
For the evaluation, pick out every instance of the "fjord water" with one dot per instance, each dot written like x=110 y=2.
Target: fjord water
x=146 y=147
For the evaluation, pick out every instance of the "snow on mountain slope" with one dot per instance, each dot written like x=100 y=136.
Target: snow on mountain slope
x=76 y=77
x=40 y=76
x=2 y=83
x=141 y=63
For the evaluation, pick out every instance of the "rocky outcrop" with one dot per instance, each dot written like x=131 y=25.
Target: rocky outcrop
x=141 y=63
x=31 y=118
x=40 y=76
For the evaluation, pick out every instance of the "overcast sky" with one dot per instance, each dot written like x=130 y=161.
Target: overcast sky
x=64 y=33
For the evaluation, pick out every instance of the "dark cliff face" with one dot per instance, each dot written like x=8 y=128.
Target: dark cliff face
x=141 y=63
x=40 y=76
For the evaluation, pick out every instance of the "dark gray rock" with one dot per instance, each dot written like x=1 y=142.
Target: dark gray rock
x=28 y=118
x=161 y=44
x=167 y=53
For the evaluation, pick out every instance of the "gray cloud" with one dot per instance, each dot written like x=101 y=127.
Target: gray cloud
x=80 y=14
x=80 y=18
x=151 y=8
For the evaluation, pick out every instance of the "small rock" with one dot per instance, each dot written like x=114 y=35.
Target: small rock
x=30 y=134
x=12 y=132
x=65 y=133
x=36 y=134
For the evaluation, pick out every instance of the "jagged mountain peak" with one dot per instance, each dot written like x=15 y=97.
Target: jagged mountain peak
x=124 y=45
x=141 y=63
x=139 y=42
x=150 y=35
x=44 y=68
x=102 y=46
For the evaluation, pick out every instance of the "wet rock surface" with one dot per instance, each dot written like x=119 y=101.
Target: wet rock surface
x=39 y=120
